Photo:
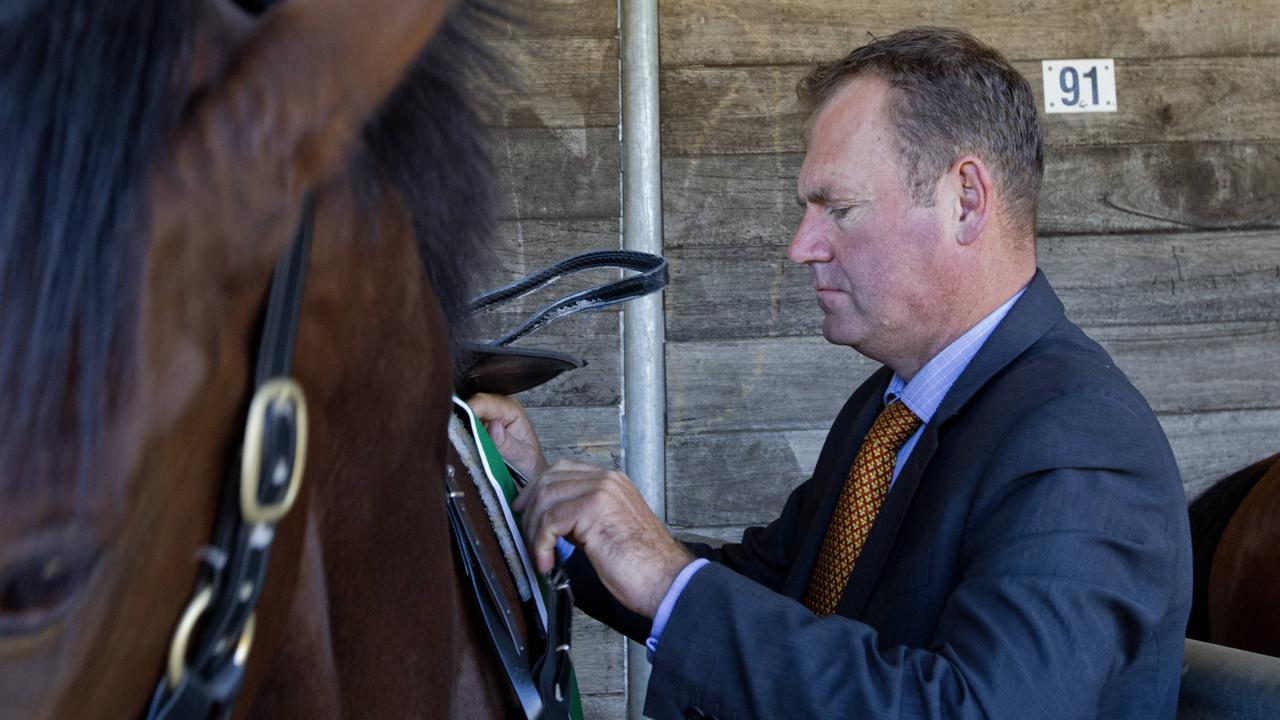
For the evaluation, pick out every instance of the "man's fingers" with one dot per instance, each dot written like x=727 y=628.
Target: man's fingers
x=566 y=518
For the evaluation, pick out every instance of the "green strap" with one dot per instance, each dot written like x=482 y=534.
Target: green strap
x=498 y=468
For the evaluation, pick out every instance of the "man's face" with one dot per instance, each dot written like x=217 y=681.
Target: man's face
x=877 y=259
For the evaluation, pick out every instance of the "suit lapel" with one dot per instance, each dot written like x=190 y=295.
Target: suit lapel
x=1028 y=320
x=832 y=470
x=885 y=528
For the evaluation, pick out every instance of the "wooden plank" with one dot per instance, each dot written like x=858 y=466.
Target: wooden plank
x=736 y=110
x=773 y=384
x=593 y=338
x=766 y=466
x=720 y=386
x=724 y=32
x=556 y=19
x=523 y=246
x=736 y=292
x=1138 y=188
x=564 y=82
x=586 y=434
x=1210 y=446
x=750 y=199
x=737 y=478
x=557 y=173
x=604 y=707
x=599 y=656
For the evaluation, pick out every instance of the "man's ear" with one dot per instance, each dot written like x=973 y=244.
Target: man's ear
x=971 y=180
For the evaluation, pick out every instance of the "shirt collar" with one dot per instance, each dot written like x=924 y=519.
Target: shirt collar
x=924 y=393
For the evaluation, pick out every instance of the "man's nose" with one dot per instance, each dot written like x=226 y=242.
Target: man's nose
x=809 y=244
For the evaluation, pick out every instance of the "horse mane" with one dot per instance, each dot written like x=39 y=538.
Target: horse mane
x=85 y=101
x=87 y=98
x=430 y=143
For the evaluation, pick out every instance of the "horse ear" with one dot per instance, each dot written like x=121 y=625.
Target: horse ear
x=288 y=106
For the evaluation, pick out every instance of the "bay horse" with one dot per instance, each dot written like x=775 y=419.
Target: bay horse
x=1235 y=533
x=154 y=160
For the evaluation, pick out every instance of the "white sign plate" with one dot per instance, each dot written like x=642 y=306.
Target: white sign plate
x=1076 y=86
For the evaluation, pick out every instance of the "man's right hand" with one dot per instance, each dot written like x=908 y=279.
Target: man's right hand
x=512 y=432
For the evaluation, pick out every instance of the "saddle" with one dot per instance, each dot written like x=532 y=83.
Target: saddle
x=541 y=673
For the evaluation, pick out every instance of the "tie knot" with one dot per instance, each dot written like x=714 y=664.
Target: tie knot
x=895 y=424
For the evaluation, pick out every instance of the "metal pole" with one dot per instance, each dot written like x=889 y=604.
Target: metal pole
x=644 y=368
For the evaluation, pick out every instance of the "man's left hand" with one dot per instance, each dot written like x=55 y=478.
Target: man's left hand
x=602 y=513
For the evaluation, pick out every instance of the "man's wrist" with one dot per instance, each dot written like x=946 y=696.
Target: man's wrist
x=668 y=604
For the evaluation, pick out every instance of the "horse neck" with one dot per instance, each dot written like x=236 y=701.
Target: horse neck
x=378 y=624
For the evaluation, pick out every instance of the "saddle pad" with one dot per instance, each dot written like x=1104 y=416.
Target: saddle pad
x=497 y=489
x=494 y=470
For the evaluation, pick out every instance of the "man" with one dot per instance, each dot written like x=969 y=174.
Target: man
x=995 y=526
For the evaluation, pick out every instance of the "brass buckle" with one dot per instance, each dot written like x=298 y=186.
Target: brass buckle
x=273 y=391
x=181 y=642
x=182 y=635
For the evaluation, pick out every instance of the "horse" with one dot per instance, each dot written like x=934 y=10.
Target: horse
x=159 y=156
x=1235 y=530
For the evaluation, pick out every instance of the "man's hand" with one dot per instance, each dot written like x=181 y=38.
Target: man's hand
x=602 y=513
x=512 y=432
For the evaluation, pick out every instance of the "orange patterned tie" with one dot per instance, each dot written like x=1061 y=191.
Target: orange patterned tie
x=859 y=502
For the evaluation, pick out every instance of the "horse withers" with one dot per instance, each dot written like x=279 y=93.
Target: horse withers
x=157 y=154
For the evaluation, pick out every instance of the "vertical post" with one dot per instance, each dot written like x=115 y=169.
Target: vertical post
x=644 y=368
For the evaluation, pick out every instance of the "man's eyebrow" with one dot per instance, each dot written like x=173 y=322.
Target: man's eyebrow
x=817 y=197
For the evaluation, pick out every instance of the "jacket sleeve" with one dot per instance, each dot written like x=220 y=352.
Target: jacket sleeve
x=1070 y=549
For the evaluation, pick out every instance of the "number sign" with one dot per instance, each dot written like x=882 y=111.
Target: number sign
x=1075 y=86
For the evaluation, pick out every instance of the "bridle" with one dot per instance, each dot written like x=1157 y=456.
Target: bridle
x=205 y=671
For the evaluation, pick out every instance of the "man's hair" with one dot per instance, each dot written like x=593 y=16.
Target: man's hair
x=953 y=96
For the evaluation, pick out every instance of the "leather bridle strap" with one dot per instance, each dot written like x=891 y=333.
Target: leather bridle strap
x=651 y=275
x=205 y=669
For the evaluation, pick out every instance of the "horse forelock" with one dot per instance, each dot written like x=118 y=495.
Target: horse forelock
x=86 y=97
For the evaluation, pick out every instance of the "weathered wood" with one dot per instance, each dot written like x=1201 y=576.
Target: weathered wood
x=729 y=32
x=556 y=19
x=800 y=383
x=604 y=707
x=735 y=110
x=586 y=434
x=720 y=483
x=557 y=173
x=759 y=384
x=750 y=199
x=735 y=292
x=1135 y=188
x=531 y=244
x=566 y=82
x=598 y=656
x=593 y=338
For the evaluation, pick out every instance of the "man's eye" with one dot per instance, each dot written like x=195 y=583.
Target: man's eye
x=839 y=213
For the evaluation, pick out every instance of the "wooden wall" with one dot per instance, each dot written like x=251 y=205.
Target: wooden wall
x=1159 y=227
x=558 y=159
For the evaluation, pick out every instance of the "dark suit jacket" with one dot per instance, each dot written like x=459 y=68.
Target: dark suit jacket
x=1032 y=560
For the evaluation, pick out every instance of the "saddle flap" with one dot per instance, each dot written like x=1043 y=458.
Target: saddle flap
x=508 y=370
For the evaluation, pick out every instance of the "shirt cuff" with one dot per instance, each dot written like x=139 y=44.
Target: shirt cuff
x=564 y=549
x=669 y=603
